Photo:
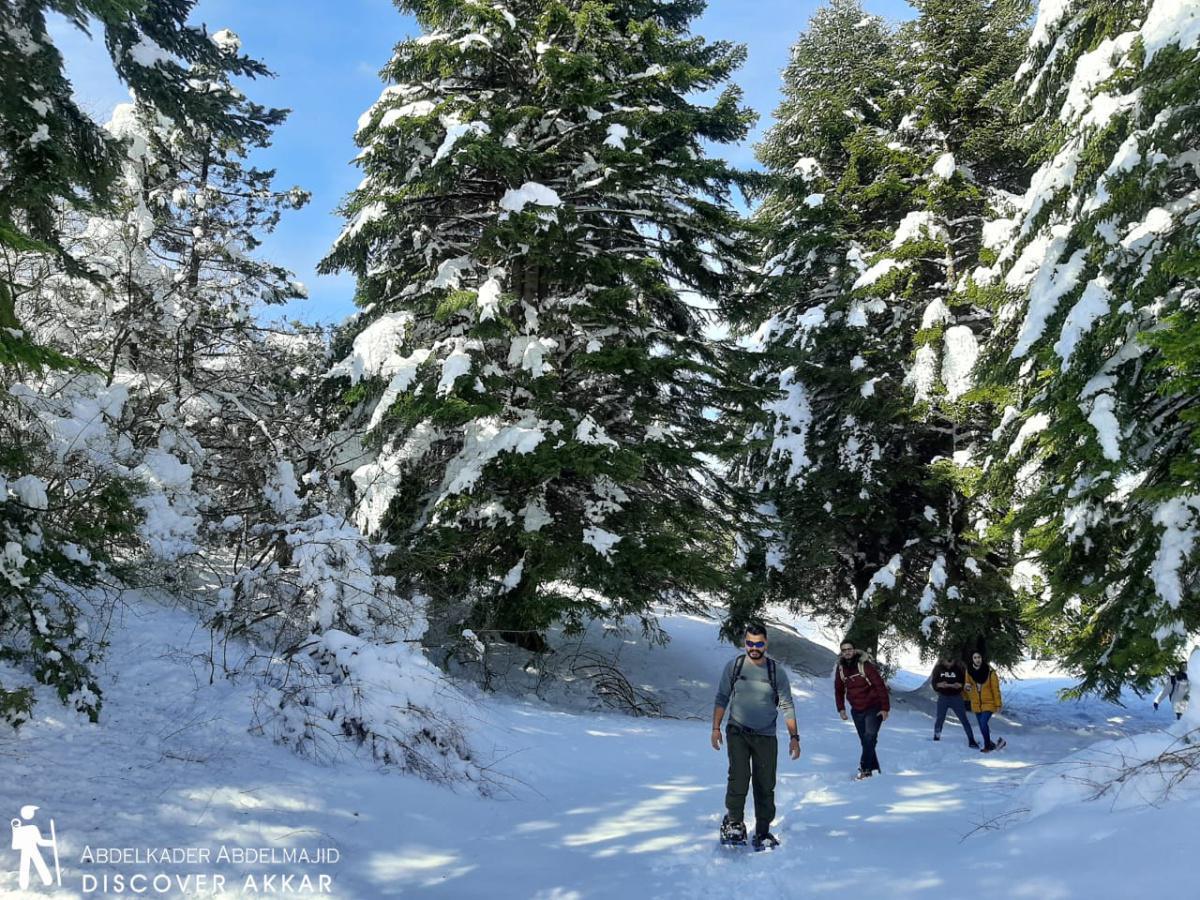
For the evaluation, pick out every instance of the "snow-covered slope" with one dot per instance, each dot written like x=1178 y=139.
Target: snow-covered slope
x=589 y=804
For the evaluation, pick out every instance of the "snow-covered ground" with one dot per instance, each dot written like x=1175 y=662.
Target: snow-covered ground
x=590 y=803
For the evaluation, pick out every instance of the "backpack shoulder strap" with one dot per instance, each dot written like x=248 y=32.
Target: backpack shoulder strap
x=771 y=677
x=737 y=667
x=735 y=674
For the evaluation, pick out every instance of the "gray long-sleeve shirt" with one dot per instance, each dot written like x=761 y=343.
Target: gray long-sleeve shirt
x=753 y=705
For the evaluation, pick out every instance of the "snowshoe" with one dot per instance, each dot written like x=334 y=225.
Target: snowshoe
x=733 y=834
x=766 y=841
x=1001 y=743
x=862 y=775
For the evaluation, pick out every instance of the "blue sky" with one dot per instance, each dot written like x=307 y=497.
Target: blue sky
x=326 y=57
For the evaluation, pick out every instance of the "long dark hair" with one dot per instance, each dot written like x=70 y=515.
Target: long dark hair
x=979 y=675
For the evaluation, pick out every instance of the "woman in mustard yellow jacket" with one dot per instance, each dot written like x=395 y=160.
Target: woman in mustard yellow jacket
x=982 y=692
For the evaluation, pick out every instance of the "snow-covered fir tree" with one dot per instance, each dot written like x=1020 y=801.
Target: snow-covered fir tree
x=958 y=124
x=52 y=152
x=211 y=417
x=169 y=317
x=839 y=74
x=1096 y=350
x=888 y=151
x=65 y=513
x=538 y=240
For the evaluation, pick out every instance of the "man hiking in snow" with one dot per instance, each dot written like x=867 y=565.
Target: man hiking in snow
x=856 y=679
x=753 y=688
x=948 y=679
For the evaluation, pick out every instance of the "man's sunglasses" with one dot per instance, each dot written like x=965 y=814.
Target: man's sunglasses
x=757 y=645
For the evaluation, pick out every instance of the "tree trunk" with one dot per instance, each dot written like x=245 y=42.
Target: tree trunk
x=187 y=364
x=8 y=308
x=868 y=622
x=512 y=620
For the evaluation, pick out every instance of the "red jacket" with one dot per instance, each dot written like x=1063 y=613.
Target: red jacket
x=861 y=683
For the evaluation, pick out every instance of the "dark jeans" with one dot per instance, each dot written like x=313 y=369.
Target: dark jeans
x=955 y=702
x=752 y=760
x=867 y=722
x=983 y=727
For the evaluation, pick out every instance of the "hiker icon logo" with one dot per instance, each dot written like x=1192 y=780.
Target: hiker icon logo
x=27 y=839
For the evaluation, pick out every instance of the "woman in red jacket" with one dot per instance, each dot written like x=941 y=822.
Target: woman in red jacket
x=856 y=679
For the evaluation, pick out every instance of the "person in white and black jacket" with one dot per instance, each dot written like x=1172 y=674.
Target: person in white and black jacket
x=1175 y=689
x=948 y=679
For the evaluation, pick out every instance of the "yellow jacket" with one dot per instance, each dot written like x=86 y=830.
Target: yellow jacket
x=983 y=697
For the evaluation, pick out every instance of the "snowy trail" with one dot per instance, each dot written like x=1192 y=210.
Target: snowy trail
x=603 y=805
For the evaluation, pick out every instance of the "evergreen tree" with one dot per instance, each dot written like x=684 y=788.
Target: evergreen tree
x=65 y=512
x=169 y=318
x=1094 y=460
x=870 y=324
x=961 y=59
x=537 y=239
x=218 y=427
x=155 y=418
x=839 y=77
x=51 y=152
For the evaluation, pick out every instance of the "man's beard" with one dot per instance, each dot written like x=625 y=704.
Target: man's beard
x=756 y=653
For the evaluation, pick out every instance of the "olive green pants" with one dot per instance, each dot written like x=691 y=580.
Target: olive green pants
x=752 y=760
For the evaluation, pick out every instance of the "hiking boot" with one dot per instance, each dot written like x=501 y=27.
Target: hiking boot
x=988 y=747
x=766 y=841
x=732 y=832
x=862 y=775
x=974 y=745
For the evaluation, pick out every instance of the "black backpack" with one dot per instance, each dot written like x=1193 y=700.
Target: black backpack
x=737 y=673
